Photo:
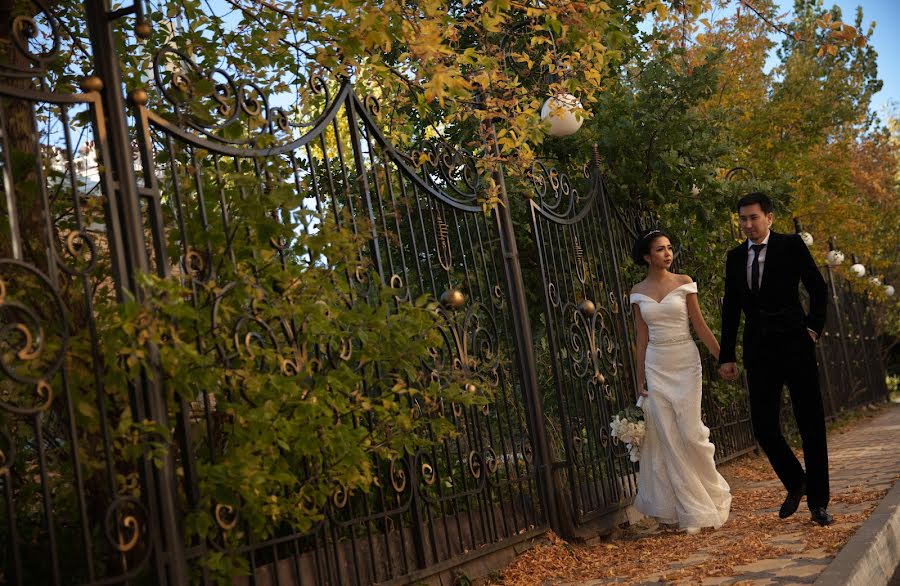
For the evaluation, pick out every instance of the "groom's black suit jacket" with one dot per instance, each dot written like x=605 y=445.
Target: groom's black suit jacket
x=775 y=311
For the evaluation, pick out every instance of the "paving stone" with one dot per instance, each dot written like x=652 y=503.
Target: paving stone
x=816 y=554
x=717 y=581
x=769 y=565
x=696 y=559
x=786 y=538
x=802 y=569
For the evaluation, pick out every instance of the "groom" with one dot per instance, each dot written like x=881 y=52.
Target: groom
x=761 y=278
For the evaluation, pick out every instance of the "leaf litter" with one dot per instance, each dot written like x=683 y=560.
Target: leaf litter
x=753 y=533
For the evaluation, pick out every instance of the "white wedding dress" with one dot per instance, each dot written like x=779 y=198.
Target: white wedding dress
x=678 y=482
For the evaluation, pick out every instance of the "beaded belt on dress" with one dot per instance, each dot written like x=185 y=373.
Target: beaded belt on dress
x=670 y=341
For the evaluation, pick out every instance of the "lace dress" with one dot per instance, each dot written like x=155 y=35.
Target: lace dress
x=678 y=481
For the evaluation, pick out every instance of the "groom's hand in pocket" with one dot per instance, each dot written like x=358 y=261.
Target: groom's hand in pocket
x=728 y=371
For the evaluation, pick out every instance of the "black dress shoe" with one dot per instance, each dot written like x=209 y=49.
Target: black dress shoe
x=821 y=516
x=789 y=507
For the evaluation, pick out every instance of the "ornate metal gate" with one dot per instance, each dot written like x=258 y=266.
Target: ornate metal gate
x=100 y=191
x=426 y=234
x=589 y=344
x=97 y=193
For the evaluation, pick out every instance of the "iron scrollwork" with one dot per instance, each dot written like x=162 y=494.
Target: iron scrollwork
x=592 y=346
x=42 y=29
x=470 y=343
x=454 y=171
x=34 y=343
x=126 y=524
x=228 y=101
x=554 y=191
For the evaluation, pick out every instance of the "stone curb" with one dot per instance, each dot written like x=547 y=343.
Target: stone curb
x=873 y=553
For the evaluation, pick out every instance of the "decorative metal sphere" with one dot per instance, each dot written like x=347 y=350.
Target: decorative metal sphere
x=143 y=30
x=807 y=238
x=889 y=290
x=834 y=257
x=587 y=308
x=138 y=96
x=92 y=83
x=453 y=298
x=470 y=388
x=559 y=111
x=858 y=270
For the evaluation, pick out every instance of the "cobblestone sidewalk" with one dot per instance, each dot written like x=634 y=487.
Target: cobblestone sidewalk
x=754 y=547
x=864 y=461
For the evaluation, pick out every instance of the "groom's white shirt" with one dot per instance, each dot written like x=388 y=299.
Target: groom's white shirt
x=762 y=258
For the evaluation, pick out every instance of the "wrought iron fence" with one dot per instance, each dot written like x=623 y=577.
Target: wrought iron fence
x=98 y=190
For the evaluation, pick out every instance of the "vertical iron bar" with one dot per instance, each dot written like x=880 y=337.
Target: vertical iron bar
x=524 y=343
x=107 y=67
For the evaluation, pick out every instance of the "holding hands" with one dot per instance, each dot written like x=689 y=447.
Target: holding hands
x=728 y=371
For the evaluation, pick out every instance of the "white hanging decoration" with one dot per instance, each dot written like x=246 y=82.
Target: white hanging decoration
x=807 y=238
x=889 y=290
x=834 y=257
x=559 y=110
x=858 y=270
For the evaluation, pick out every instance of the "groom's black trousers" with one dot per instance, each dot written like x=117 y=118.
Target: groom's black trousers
x=790 y=359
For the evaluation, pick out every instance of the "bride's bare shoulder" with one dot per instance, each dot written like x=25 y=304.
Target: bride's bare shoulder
x=640 y=287
x=684 y=279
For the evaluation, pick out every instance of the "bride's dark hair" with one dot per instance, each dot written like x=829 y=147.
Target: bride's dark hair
x=643 y=243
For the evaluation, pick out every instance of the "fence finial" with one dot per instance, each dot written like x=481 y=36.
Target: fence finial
x=596 y=149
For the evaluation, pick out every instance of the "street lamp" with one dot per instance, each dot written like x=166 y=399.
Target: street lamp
x=563 y=111
x=805 y=236
x=732 y=175
x=560 y=111
x=858 y=270
x=834 y=257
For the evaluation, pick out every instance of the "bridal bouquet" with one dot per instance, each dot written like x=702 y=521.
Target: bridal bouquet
x=628 y=426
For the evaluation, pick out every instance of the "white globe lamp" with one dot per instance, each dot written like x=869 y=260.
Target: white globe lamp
x=858 y=270
x=889 y=290
x=559 y=111
x=834 y=258
x=807 y=238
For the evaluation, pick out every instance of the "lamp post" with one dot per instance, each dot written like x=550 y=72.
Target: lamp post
x=857 y=269
x=844 y=373
x=834 y=257
x=730 y=176
x=559 y=110
x=805 y=236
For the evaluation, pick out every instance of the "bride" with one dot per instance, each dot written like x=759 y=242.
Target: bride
x=678 y=482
